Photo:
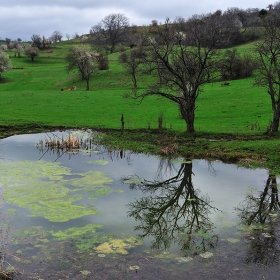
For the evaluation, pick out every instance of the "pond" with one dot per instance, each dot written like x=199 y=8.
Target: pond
x=88 y=212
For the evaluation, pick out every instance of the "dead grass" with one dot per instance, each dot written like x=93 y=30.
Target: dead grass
x=168 y=145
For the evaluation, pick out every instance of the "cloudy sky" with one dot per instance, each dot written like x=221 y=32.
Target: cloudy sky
x=22 y=18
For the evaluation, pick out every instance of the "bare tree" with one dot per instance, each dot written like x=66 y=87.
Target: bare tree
x=181 y=63
x=75 y=36
x=268 y=51
x=32 y=52
x=111 y=31
x=84 y=60
x=36 y=41
x=8 y=40
x=131 y=62
x=235 y=66
x=5 y=63
x=56 y=36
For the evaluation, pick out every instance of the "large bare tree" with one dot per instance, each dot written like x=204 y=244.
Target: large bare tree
x=268 y=51
x=181 y=62
x=36 y=41
x=111 y=31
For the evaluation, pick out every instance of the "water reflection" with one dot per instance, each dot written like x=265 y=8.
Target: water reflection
x=76 y=142
x=176 y=204
x=173 y=211
x=259 y=212
x=71 y=144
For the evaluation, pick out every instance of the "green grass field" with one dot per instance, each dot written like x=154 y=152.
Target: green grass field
x=31 y=96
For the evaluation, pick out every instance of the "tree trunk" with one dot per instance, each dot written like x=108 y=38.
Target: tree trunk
x=275 y=123
x=87 y=84
x=276 y=115
x=188 y=115
x=190 y=122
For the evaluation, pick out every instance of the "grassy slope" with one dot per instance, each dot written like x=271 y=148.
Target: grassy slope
x=32 y=96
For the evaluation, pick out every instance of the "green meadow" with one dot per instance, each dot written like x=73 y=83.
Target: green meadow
x=237 y=115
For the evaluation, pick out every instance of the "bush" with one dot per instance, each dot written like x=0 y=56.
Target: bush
x=103 y=63
x=234 y=66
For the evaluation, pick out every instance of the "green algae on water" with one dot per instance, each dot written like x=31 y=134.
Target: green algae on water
x=98 y=162
x=83 y=238
x=118 y=245
x=75 y=231
x=41 y=188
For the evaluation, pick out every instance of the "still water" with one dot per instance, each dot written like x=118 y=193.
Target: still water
x=96 y=213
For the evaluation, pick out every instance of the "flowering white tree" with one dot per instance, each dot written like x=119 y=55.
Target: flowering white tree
x=32 y=52
x=18 y=50
x=5 y=63
x=84 y=60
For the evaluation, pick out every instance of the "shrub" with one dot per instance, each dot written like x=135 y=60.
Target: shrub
x=234 y=66
x=103 y=63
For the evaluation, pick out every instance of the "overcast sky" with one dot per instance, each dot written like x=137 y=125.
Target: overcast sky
x=22 y=18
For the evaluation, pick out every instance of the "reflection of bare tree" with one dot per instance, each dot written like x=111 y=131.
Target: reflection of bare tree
x=174 y=212
x=260 y=214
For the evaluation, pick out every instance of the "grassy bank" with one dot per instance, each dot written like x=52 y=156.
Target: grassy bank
x=230 y=123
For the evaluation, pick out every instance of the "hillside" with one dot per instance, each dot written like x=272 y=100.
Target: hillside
x=237 y=114
x=32 y=85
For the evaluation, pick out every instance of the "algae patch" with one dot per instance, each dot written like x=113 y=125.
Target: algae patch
x=75 y=231
x=41 y=188
x=98 y=162
x=84 y=238
x=118 y=246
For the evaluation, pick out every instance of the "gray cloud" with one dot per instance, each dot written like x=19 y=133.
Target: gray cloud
x=22 y=18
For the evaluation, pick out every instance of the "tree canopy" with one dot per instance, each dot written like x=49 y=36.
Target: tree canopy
x=111 y=31
x=180 y=62
x=83 y=59
x=5 y=63
x=268 y=51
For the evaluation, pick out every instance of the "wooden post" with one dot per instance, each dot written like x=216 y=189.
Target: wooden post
x=122 y=122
